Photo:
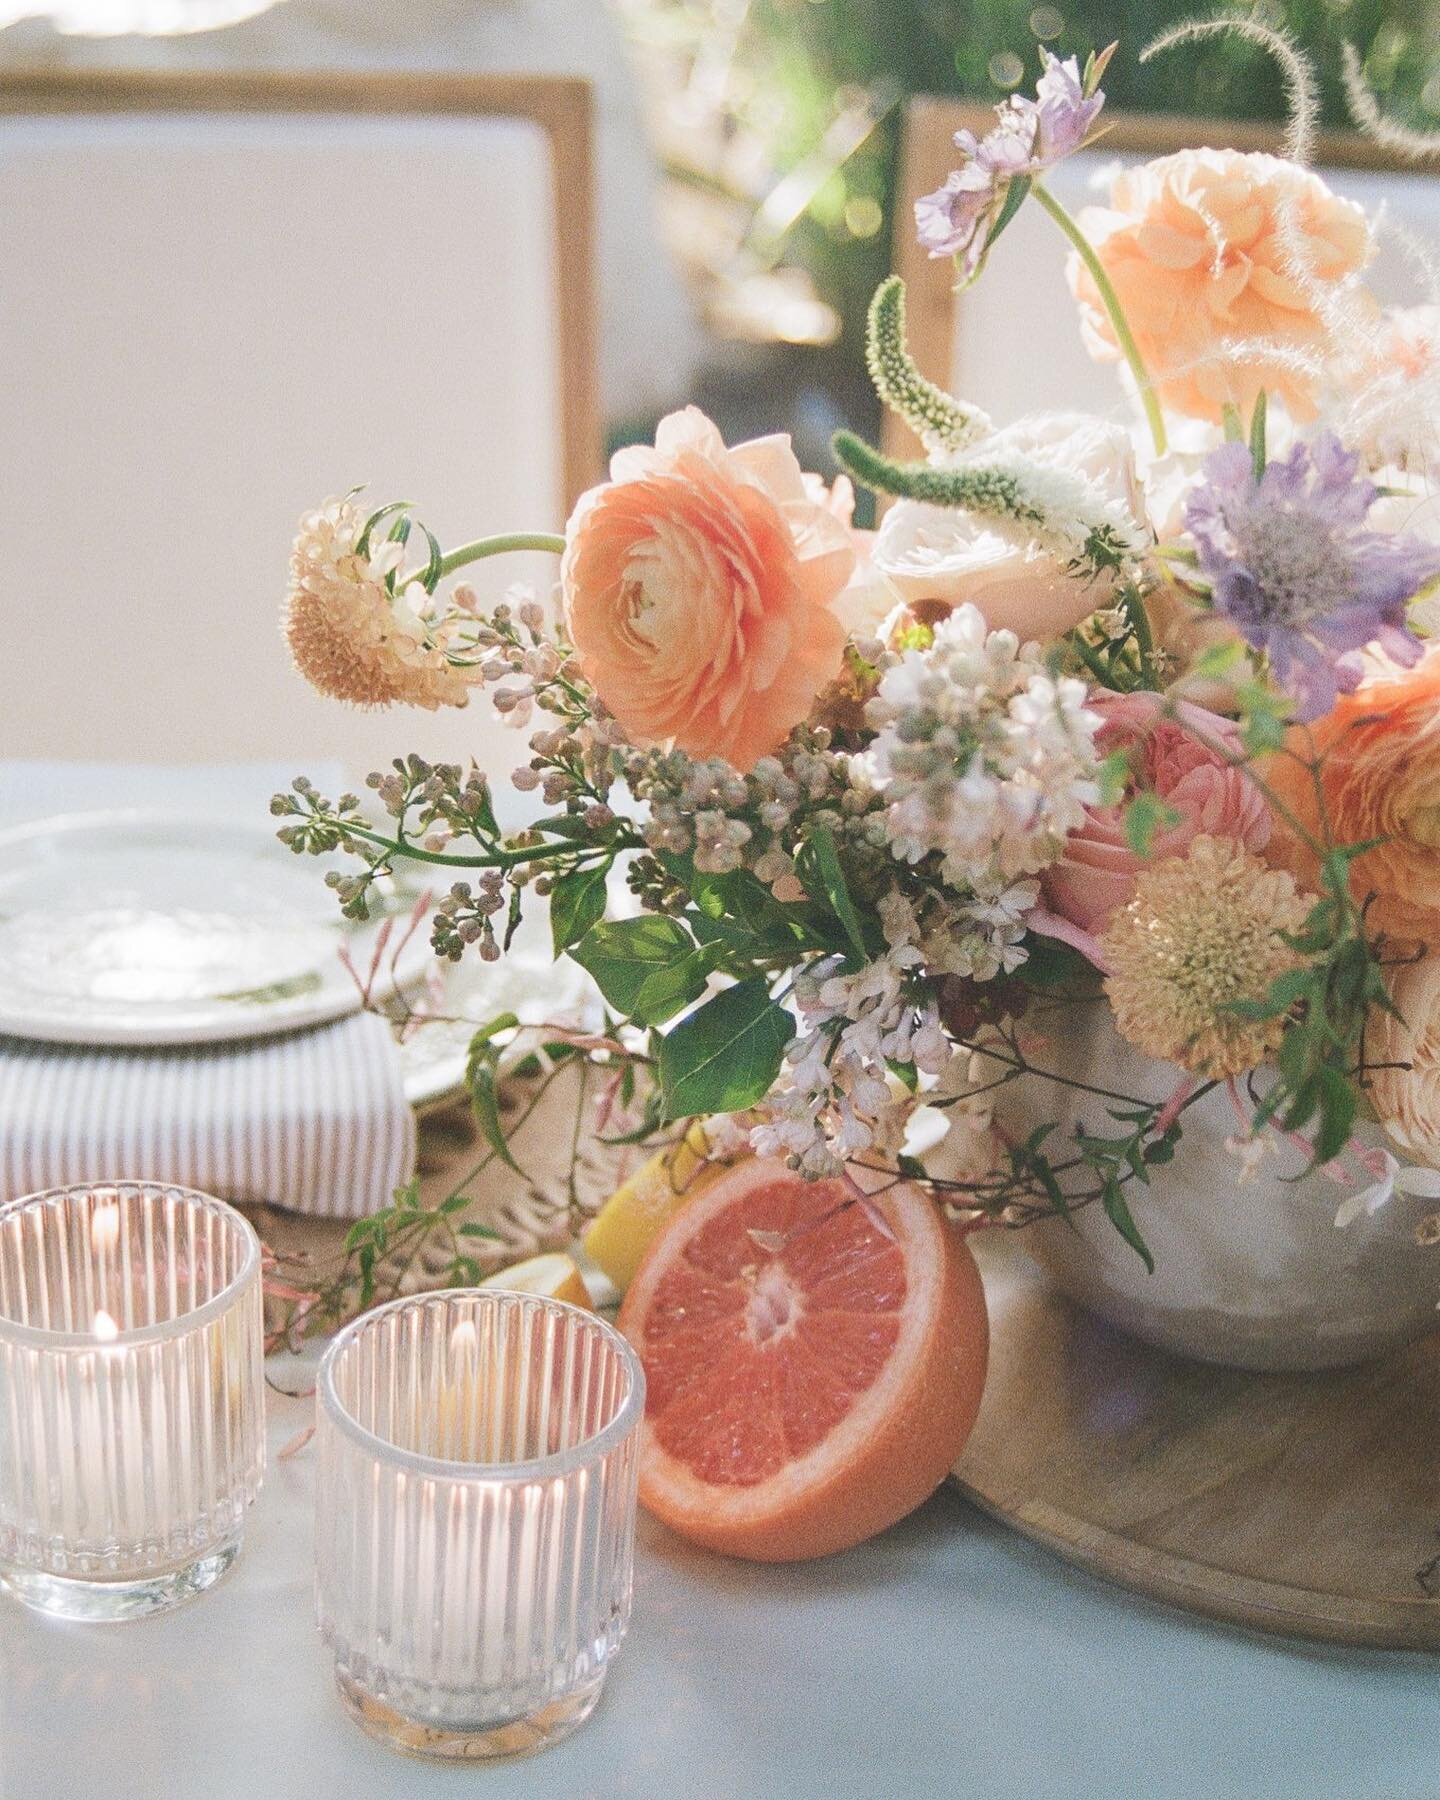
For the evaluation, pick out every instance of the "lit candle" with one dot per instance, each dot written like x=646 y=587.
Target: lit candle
x=131 y=1396
x=475 y=1517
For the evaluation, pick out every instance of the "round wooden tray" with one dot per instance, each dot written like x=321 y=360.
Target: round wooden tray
x=1304 y=1505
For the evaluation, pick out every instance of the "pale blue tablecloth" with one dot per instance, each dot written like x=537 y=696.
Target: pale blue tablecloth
x=946 y=1658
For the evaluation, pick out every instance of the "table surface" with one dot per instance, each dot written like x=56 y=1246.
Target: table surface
x=946 y=1657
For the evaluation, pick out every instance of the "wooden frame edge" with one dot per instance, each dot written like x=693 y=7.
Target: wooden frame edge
x=561 y=105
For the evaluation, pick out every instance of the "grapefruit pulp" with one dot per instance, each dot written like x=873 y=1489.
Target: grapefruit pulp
x=814 y=1364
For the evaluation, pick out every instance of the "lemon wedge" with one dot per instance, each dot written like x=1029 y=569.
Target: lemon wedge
x=623 y=1229
x=554 y=1275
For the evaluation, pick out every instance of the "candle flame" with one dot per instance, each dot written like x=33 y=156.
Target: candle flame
x=105 y=1226
x=104 y=1327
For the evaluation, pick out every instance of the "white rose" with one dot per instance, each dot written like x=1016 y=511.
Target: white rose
x=938 y=553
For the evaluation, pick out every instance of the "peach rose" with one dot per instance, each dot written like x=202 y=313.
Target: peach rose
x=1097 y=873
x=934 y=554
x=1380 y=777
x=1407 y=1100
x=1195 y=245
x=700 y=587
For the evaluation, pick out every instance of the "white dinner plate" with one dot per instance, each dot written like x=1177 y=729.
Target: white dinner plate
x=149 y=927
x=527 y=981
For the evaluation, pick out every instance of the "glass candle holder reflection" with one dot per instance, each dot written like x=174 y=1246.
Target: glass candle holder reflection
x=131 y=1395
x=475 y=1517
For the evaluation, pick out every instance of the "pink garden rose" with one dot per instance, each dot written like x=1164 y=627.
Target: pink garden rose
x=700 y=588
x=1097 y=873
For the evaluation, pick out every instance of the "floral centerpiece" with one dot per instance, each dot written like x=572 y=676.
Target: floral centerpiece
x=1081 y=819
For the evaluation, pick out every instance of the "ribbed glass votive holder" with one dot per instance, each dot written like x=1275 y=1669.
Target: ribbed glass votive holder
x=475 y=1517
x=131 y=1395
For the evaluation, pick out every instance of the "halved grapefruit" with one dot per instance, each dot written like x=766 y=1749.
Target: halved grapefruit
x=814 y=1362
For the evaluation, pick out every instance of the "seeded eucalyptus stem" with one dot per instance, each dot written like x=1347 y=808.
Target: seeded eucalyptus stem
x=1129 y=349
x=492 y=859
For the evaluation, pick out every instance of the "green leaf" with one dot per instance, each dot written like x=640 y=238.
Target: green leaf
x=362 y=1231
x=905 y=1073
x=1015 y=194
x=1049 y=965
x=1231 y=422
x=1337 y=1114
x=492 y=1029
x=471 y=1229
x=623 y=954
x=671 y=989
x=485 y=1104
x=512 y=919
x=826 y=860
x=1284 y=991
x=1054 y=1193
x=726 y=1054
x=577 y=901
x=1119 y=1215
x=1262 y=722
x=1218 y=659
x=1257 y=436
x=1146 y=814
x=1114 y=777
x=481 y=1079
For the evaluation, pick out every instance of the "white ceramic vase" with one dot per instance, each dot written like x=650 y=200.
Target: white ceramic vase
x=1255 y=1275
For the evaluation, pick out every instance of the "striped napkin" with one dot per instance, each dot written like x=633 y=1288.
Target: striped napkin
x=316 y=1121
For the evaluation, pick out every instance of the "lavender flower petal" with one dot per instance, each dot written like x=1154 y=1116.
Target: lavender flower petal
x=1291 y=564
x=1029 y=136
x=1065 y=114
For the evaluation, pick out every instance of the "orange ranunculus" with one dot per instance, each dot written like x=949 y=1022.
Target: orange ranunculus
x=1197 y=247
x=1380 y=778
x=700 y=587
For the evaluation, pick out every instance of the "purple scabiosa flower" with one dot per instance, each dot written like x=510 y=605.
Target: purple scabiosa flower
x=950 y=220
x=1029 y=136
x=1293 y=567
x=1064 y=111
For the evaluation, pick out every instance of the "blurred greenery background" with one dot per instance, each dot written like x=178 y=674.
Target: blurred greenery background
x=777 y=123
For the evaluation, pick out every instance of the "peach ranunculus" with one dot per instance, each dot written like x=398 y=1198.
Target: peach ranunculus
x=1097 y=874
x=941 y=557
x=1198 y=246
x=1380 y=779
x=700 y=587
x=1407 y=1098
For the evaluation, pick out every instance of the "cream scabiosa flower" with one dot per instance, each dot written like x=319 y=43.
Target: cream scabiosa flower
x=1203 y=931
x=355 y=640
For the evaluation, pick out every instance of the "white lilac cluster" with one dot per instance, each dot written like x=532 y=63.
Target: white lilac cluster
x=985 y=759
x=729 y=821
x=838 y=1099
